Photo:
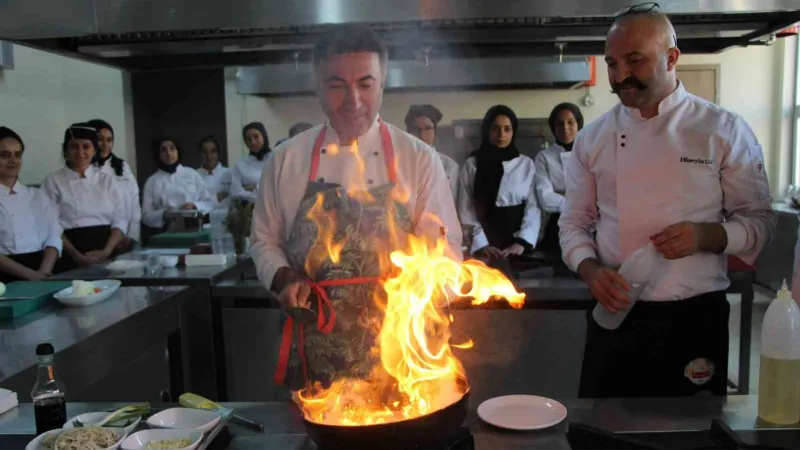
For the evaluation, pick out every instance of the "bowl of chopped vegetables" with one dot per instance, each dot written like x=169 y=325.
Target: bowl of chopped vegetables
x=127 y=417
x=163 y=439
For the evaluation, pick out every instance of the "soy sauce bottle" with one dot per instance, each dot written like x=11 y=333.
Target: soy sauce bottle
x=49 y=404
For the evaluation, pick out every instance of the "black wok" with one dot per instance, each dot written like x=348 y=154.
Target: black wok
x=411 y=433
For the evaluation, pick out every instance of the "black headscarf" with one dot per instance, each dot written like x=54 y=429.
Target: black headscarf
x=489 y=161
x=169 y=168
x=6 y=132
x=554 y=114
x=80 y=130
x=261 y=129
x=429 y=111
x=117 y=163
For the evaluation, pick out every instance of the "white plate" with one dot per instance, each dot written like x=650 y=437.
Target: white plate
x=108 y=288
x=138 y=441
x=522 y=412
x=122 y=265
x=92 y=418
x=185 y=419
x=36 y=444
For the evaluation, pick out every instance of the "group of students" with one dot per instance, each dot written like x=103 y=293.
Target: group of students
x=89 y=210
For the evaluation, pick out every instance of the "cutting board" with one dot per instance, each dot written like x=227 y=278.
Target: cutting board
x=28 y=296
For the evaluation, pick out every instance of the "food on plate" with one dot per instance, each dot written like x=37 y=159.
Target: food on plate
x=168 y=444
x=82 y=288
x=86 y=438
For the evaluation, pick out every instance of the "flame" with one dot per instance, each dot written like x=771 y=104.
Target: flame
x=324 y=244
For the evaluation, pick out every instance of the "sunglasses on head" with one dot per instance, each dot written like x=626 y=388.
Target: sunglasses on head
x=641 y=8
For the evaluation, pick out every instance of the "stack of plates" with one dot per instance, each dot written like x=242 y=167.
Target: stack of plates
x=8 y=400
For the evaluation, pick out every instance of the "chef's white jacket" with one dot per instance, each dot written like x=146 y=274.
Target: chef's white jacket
x=451 y=169
x=28 y=221
x=97 y=199
x=130 y=188
x=218 y=180
x=630 y=178
x=245 y=176
x=420 y=178
x=171 y=190
x=550 y=178
x=516 y=187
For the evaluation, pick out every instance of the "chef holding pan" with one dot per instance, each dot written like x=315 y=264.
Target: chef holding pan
x=356 y=173
x=668 y=168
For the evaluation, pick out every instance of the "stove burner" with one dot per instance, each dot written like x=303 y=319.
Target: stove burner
x=460 y=440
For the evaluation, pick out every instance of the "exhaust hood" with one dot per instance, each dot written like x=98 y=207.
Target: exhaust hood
x=180 y=34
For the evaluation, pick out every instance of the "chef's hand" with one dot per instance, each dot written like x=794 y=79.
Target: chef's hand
x=513 y=249
x=607 y=285
x=36 y=275
x=490 y=252
x=295 y=295
x=97 y=256
x=188 y=206
x=83 y=259
x=677 y=241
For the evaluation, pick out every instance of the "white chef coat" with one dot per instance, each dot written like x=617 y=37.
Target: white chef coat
x=218 y=180
x=247 y=171
x=420 y=175
x=95 y=200
x=516 y=187
x=550 y=178
x=28 y=221
x=130 y=188
x=630 y=178
x=451 y=169
x=171 y=190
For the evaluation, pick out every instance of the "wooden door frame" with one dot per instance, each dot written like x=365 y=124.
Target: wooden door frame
x=717 y=68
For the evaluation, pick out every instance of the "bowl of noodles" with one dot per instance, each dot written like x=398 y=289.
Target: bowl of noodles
x=84 y=438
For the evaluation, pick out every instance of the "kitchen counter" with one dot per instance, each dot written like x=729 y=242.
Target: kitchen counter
x=284 y=428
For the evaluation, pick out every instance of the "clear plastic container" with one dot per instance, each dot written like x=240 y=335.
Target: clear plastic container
x=612 y=321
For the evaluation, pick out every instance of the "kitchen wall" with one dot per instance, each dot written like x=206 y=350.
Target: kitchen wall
x=750 y=84
x=45 y=93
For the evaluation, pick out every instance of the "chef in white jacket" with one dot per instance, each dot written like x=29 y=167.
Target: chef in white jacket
x=360 y=180
x=666 y=168
x=565 y=122
x=216 y=176
x=246 y=173
x=173 y=187
x=30 y=232
x=421 y=121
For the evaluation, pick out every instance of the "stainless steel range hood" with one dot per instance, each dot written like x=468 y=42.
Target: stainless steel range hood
x=177 y=34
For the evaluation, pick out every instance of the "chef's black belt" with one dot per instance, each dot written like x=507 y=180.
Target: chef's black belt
x=501 y=223
x=84 y=239
x=30 y=260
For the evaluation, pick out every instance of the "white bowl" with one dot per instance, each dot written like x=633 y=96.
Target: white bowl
x=36 y=444
x=124 y=265
x=185 y=419
x=139 y=441
x=168 y=260
x=107 y=289
x=92 y=418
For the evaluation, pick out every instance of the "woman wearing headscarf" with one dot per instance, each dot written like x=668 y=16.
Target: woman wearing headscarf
x=216 y=176
x=246 y=173
x=91 y=204
x=496 y=190
x=115 y=166
x=30 y=233
x=173 y=187
x=421 y=121
x=565 y=121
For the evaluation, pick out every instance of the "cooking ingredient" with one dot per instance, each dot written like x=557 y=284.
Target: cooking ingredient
x=49 y=405
x=120 y=418
x=82 y=288
x=2 y=289
x=87 y=438
x=779 y=378
x=189 y=400
x=168 y=444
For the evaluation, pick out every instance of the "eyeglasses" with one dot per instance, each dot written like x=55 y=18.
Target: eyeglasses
x=641 y=8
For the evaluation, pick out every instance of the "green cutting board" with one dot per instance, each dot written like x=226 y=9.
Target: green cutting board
x=179 y=239
x=36 y=294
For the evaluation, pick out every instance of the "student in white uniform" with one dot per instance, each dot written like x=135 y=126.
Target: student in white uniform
x=91 y=204
x=115 y=166
x=407 y=187
x=173 y=187
x=565 y=121
x=216 y=176
x=246 y=173
x=30 y=233
x=421 y=121
x=496 y=191
x=668 y=168
x=298 y=128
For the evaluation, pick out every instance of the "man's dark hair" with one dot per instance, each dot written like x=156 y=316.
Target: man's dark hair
x=345 y=39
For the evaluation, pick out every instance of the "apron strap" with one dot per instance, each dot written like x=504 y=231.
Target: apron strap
x=386 y=142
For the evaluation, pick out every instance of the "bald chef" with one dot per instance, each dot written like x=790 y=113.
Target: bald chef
x=366 y=175
x=668 y=168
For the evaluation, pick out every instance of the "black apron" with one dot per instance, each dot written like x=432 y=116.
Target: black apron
x=550 y=243
x=662 y=349
x=84 y=239
x=500 y=224
x=30 y=260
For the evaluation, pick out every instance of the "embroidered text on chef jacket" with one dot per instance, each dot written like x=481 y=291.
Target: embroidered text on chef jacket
x=171 y=190
x=516 y=187
x=245 y=176
x=85 y=202
x=630 y=178
x=130 y=188
x=451 y=169
x=28 y=221
x=218 y=180
x=550 y=178
x=284 y=182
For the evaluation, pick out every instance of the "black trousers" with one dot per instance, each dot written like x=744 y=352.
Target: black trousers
x=84 y=239
x=30 y=260
x=662 y=349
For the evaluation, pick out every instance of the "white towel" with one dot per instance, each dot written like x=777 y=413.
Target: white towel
x=8 y=400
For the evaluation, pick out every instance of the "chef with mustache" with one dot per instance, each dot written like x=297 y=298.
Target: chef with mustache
x=666 y=168
x=364 y=184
